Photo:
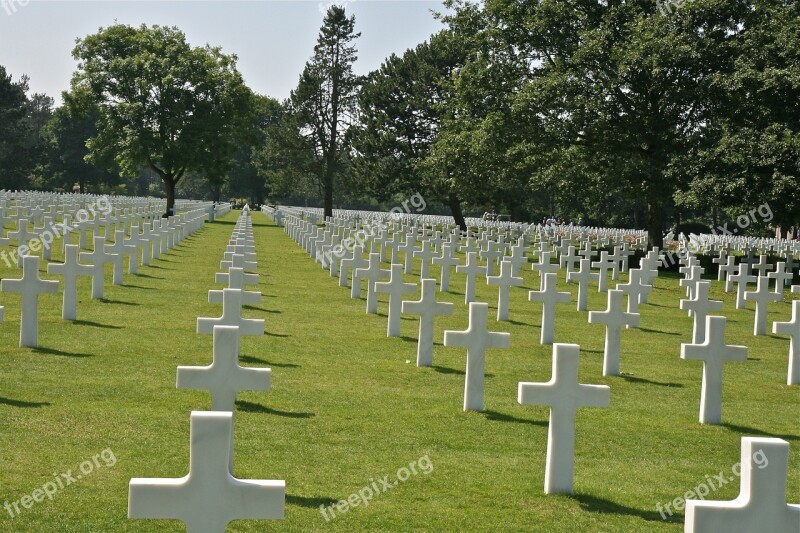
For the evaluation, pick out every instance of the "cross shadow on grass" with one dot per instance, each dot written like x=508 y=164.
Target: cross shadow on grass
x=95 y=324
x=53 y=351
x=147 y=276
x=446 y=370
x=21 y=403
x=496 y=416
x=758 y=432
x=312 y=502
x=633 y=379
x=279 y=335
x=140 y=287
x=118 y=302
x=256 y=361
x=261 y=309
x=648 y=330
x=250 y=407
x=593 y=504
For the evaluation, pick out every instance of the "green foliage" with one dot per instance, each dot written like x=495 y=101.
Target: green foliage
x=324 y=103
x=162 y=104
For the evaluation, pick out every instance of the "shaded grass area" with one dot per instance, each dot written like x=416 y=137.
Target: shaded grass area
x=348 y=405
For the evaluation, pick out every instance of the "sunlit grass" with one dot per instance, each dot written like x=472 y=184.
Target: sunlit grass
x=348 y=405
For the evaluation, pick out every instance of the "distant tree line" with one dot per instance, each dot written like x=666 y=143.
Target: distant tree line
x=614 y=113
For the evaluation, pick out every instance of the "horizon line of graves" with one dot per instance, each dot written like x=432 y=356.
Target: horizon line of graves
x=352 y=246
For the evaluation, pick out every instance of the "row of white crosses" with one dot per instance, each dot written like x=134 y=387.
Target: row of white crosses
x=563 y=393
x=31 y=285
x=209 y=496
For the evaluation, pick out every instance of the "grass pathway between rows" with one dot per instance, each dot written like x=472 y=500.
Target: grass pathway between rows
x=349 y=407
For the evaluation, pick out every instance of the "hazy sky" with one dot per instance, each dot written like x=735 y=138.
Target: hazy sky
x=272 y=38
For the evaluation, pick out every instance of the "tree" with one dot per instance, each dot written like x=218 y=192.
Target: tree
x=14 y=131
x=750 y=152
x=65 y=163
x=402 y=107
x=162 y=104
x=324 y=102
x=621 y=82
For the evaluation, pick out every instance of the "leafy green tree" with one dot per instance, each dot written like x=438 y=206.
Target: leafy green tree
x=402 y=107
x=750 y=153
x=162 y=103
x=618 y=83
x=65 y=137
x=14 y=132
x=324 y=102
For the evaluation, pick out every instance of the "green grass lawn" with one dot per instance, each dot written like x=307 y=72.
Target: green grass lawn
x=348 y=406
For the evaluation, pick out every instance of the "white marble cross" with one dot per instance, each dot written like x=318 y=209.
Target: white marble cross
x=471 y=269
x=714 y=353
x=209 y=496
x=428 y=309
x=569 y=259
x=583 y=277
x=232 y=316
x=426 y=253
x=565 y=395
x=355 y=262
x=634 y=288
x=742 y=278
x=699 y=307
x=614 y=317
x=22 y=235
x=725 y=272
x=549 y=296
x=792 y=329
x=781 y=276
x=224 y=378
x=761 y=504
x=491 y=254
x=98 y=258
x=70 y=269
x=762 y=296
x=408 y=248
x=476 y=338
x=30 y=286
x=138 y=241
x=544 y=266
x=721 y=260
x=762 y=266
x=446 y=260
x=604 y=264
x=373 y=274
x=119 y=249
x=236 y=278
x=396 y=289
x=504 y=281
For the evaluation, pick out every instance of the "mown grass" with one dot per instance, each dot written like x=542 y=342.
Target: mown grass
x=348 y=405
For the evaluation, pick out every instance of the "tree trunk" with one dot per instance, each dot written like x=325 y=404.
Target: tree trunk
x=655 y=223
x=328 y=193
x=169 y=187
x=455 y=208
x=216 y=193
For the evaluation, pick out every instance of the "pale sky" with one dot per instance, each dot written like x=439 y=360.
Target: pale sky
x=272 y=38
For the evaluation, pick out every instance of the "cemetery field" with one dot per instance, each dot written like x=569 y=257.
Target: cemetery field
x=350 y=411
